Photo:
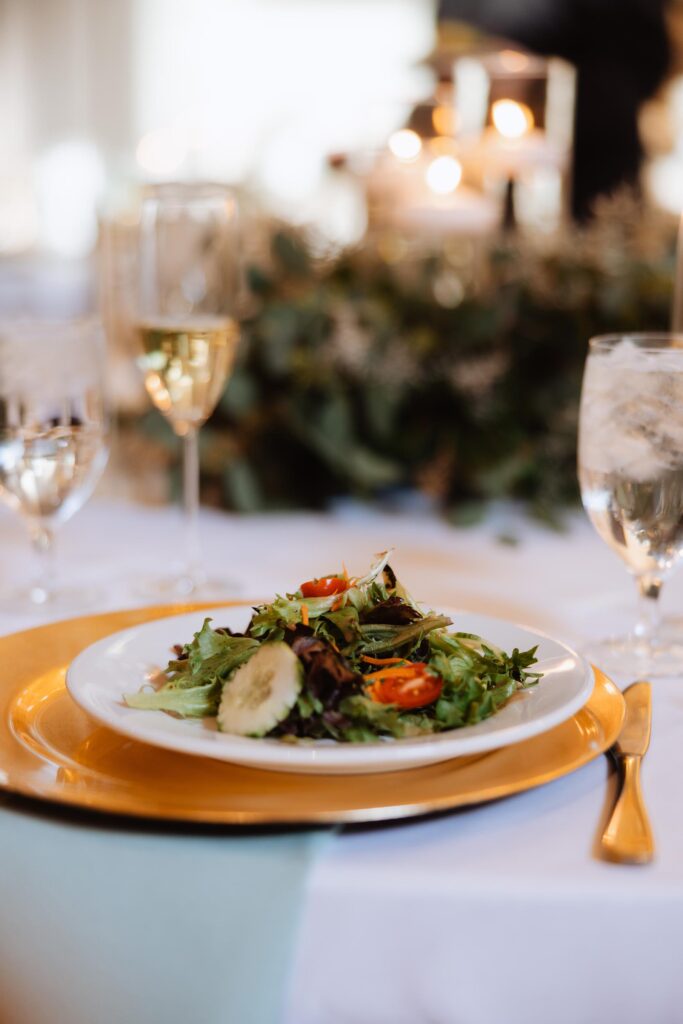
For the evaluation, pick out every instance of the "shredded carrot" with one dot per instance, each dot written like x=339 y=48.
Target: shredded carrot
x=337 y=605
x=391 y=673
x=383 y=661
x=346 y=573
x=304 y=614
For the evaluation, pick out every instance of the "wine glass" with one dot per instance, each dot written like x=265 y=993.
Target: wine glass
x=187 y=335
x=53 y=429
x=631 y=477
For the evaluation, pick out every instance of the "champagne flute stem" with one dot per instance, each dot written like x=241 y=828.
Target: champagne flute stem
x=647 y=626
x=192 y=569
x=42 y=541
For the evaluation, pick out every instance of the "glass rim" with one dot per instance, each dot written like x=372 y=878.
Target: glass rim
x=649 y=341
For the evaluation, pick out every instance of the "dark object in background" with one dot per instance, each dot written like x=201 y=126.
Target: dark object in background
x=621 y=52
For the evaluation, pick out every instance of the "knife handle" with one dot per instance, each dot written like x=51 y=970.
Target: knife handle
x=628 y=836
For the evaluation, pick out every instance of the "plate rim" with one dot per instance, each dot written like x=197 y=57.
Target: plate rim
x=346 y=758
x=43 y=651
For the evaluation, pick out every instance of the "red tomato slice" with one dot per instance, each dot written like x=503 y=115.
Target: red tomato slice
x=413 y=688
x=324 y=587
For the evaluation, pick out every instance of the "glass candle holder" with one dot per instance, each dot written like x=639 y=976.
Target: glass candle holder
x=417 y=184
x=514 y=117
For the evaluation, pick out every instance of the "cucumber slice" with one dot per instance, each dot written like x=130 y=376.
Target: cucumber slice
x=262 y=691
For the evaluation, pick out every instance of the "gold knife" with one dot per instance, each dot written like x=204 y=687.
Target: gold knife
x=628 y=836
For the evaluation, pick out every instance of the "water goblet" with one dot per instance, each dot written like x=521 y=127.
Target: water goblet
x=630 y=462
x=53 y=437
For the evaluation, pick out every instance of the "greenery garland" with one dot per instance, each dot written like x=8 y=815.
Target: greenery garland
x=398 y=368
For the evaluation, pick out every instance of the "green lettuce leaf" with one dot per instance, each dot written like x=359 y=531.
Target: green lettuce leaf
x=215 y=655
x=379 y=639
x=194 y=683
x=188 y=702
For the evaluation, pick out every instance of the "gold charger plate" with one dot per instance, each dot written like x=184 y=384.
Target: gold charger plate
x=51 y=750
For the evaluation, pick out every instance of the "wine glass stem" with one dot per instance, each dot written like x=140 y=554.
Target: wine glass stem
x=191 y=504
x=647 y=626
x=42 y=539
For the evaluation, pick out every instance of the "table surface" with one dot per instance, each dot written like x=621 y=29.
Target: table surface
x=492 y=914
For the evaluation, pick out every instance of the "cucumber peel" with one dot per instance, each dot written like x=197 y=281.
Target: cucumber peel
x=262 y=692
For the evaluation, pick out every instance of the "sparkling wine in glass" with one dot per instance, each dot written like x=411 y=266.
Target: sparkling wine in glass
x=631 y=477
x=187 y=336
x=53 y=435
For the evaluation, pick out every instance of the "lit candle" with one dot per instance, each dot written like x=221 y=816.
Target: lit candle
x=417 y=186
x=512 y=120
x=512 y=144
x=406 y=145
x=515 y=116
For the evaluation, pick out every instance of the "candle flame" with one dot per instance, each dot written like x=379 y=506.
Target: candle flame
x=444 y=175
x=513 y=120
x=405 y=145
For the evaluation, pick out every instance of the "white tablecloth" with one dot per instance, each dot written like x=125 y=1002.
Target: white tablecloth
x=496 y=915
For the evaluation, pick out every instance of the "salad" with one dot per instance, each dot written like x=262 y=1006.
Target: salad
x=342 y=658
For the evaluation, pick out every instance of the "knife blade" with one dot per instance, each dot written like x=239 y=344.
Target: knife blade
x=628 y=838
x=634 y=738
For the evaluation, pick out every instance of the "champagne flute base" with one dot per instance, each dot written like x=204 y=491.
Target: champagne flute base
x=188 y=587
x=630 y=657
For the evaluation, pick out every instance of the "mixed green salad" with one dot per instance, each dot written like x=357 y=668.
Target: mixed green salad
x=342 y=658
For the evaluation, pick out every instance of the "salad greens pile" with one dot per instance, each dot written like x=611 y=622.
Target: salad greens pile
x=342 y=659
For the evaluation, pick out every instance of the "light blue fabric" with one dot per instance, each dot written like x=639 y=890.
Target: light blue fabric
x=108 y=924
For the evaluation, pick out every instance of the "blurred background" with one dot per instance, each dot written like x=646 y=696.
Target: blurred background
x=97 y=97
x=440 y=203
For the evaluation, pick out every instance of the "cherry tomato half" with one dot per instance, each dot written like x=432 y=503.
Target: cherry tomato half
x=326 y=586
x=415 y=687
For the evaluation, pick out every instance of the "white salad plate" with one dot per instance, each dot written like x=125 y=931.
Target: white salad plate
x=122 y=663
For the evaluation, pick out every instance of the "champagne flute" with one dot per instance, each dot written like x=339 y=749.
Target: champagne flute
x=187 y=335
x=53 y=429
x=631 y=477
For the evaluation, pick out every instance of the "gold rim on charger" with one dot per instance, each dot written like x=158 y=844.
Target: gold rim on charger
x=51 y=750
